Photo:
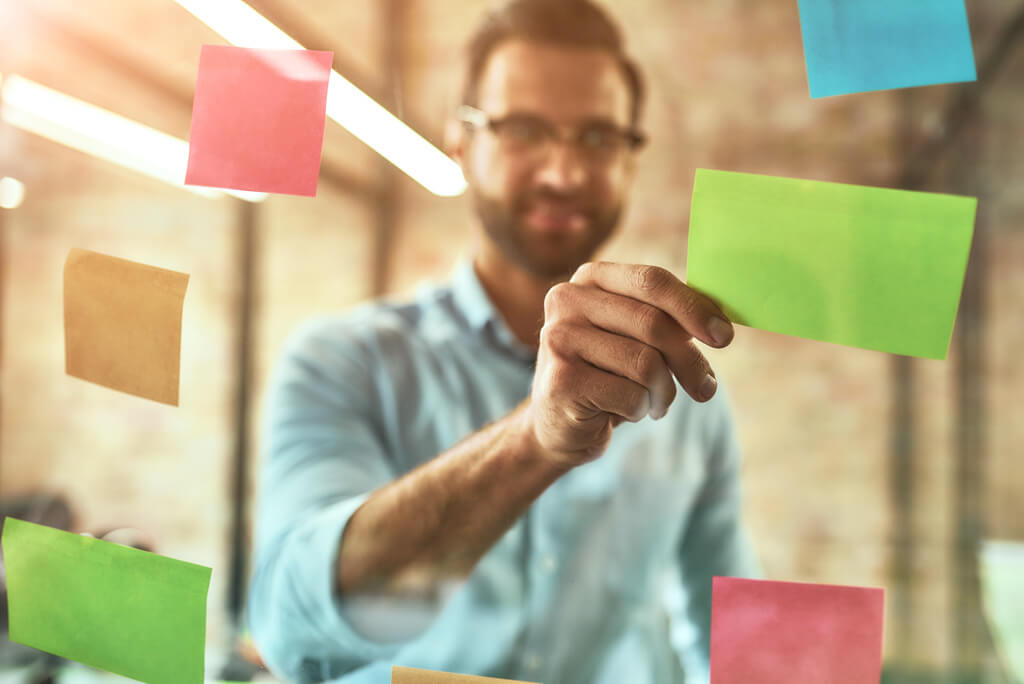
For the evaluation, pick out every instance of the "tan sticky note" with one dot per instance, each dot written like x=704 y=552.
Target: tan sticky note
x=122 y=324
x=410 y=675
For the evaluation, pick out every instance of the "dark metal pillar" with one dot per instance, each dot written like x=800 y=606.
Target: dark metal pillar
x=245 y=263
x=901 y=499
x=969 y=637
x=393 y=13
x=902 y=453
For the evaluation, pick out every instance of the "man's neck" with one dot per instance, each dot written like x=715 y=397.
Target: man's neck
x=517 y=294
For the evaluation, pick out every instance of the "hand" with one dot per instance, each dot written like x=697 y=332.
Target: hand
x=613 y=338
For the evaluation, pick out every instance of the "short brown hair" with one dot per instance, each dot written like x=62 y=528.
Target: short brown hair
x=569 y=23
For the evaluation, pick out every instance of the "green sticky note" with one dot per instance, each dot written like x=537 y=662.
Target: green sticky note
x=116 y=608
x=866 y=267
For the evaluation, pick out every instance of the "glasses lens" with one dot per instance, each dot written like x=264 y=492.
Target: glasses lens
x=523 y=131
x=601 y=140
x=596 y=142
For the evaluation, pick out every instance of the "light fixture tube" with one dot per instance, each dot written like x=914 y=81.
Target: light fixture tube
x=100 y=133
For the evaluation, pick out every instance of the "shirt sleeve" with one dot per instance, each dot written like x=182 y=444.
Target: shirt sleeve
x=714 y=542
x=323 y=454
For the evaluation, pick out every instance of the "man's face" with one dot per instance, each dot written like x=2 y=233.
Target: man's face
x=548 y=207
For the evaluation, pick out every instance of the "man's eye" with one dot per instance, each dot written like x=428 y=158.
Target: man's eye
x=597 y=138
x=523 y=131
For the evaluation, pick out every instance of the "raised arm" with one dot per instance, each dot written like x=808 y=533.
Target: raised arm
x=438 y=520
x=340 y=518
x=612 y=340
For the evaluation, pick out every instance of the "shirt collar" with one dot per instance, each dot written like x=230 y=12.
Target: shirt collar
x=470 y=296
x=472 y=301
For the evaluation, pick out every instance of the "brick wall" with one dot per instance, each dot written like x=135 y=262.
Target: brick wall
x=727 y=90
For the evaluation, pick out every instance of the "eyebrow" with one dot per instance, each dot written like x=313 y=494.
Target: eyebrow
x=583 y=123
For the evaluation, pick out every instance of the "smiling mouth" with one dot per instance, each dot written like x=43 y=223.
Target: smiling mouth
x=556 y=218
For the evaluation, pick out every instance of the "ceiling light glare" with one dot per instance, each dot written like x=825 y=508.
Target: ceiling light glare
x=98 y=132
x=12 y=192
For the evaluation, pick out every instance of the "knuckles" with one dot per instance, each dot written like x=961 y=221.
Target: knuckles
x=647 y=365
x=562 y=381
x=583 y=273
x=647 y=322
x=652 y=278
x=638 y=406
x=557 y=299
x=556 y=337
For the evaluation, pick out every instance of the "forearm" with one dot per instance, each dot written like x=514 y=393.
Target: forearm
x=438 y=520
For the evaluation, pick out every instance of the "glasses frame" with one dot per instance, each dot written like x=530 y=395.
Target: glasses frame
x=634 y=138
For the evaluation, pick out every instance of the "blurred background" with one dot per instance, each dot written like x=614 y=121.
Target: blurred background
x=860 y=467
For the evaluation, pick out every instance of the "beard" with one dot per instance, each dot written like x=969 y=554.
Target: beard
x=548 y=254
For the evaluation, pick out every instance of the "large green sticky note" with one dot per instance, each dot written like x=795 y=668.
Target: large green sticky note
x=866 y=267
x=116 y=608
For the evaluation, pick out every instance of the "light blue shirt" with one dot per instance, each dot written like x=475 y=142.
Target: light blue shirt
x=607 y=577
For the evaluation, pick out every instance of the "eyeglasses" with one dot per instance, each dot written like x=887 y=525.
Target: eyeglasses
x=598 y=142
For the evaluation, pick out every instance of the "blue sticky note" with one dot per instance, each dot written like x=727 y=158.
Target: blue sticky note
x=854 y=46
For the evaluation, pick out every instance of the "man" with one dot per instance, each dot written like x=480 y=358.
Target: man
x=499 y=478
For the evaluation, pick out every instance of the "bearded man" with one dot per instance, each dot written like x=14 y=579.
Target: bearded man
x=528 y=472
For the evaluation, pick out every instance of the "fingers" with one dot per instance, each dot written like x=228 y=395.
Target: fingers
x=694 y=312
x=586 y=392
x=615 y=395
x=585 y=387
x=694 y=372
x=624 y=318
x=655 y=328
x=622 y=356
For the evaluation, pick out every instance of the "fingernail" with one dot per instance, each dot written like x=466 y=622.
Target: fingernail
x=707 y=388
x=721 y=331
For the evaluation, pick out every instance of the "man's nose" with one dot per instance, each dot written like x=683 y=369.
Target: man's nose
x=561 y=167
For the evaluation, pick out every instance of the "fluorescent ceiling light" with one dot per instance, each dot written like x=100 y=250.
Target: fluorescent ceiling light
x=90 y=129
x=12 y=192
x=241 y=25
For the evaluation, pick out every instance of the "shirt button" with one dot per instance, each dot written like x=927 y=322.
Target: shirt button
x=548 y=563
x=532 y=662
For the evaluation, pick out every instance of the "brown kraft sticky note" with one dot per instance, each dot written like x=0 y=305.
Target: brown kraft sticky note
x=122 y=324
x=411 y=675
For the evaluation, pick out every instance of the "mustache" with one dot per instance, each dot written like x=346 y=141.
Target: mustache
x=573 y=201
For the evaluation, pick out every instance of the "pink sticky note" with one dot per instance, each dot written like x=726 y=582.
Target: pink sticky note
x=258 y=119
x=785 y=632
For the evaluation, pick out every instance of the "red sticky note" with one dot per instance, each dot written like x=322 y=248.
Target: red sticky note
x=258 y=119
x=785 y=632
